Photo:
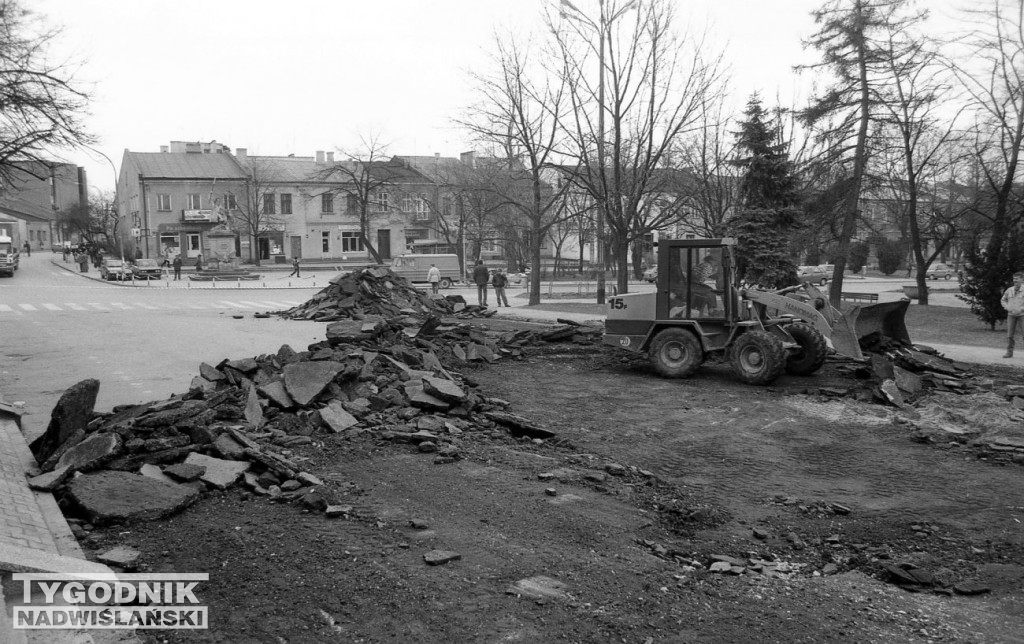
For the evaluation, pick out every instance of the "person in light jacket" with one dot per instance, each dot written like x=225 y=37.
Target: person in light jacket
x=434 y=277
x=1013 y=302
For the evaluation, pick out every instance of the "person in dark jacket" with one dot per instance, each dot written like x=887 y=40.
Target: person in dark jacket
x=499 y=282
x=177 y=267
x=481 y=276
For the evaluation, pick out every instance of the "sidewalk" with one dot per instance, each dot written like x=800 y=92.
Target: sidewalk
x=34 y=536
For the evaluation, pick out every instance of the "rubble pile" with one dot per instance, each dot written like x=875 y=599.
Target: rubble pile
x=394 y=379
x=375 y=290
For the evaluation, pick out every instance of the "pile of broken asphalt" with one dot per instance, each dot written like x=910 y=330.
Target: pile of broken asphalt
x=395 y=366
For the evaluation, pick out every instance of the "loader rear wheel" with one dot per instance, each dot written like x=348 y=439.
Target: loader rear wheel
x=758 y=358
x=675 y=353
x=812 y=352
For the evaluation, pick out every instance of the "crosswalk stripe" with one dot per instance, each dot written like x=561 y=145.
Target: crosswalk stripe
x=28 y=307
x=120 y=306
x=232 y=305
x=51 y=307
x=196 y=307
x=4 y=307
x=97 y=305
x=75 y=307
x=254 y=305
x=147 y=306
x=276 y=305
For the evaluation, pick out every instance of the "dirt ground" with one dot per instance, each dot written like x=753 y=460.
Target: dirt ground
x=813 y=495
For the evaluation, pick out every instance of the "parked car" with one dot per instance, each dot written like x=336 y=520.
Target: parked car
x=939 y=270
x=819 y=275
x=145 y=269
x=112 y=268
x=651 y=275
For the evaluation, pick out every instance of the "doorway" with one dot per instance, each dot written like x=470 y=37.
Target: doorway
x=384 y=243
x=192 y=245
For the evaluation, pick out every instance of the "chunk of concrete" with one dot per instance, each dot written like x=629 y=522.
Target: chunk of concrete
x=276 y=393
x=71 y=413
x=306 y=380
x=335 y=417
x=219 y=473
x=50 y=481
x=446 y=390
x=185 y=471
x=92 y=452
x=121 y=556
x=115 y=497
x=154 y=472
x=253 y=410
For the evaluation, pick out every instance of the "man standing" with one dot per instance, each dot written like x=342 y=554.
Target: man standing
x=434 y=277
x=1013 y=302
x=177 y=267
x=499 y=282
x=480 y=277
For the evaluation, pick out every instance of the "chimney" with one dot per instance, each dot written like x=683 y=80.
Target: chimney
x=469 y=158
x=241 y=153
x=330 y=158
x=320 y=156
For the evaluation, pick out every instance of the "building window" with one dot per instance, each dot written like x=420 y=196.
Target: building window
x=193 y=202
x=407 y=204
x=325 y=241
x=351 y=242
x=268 y=203
x=446 y=206
x=351 y=204
x=163 y=202
x=422 y=207
x=326 y=202
x=286 y=203
x=229 y=202
x=382 y=201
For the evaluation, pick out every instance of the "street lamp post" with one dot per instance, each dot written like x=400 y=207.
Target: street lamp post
x=601 y=27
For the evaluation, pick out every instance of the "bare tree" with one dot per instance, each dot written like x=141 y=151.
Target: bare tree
x=910 y=93
x=368 y=179
x=41 y=104
x=256 y=212
x=649 y=89
x=518 y=112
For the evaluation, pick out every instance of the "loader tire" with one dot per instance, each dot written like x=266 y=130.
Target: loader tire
x=758 y=358
x=812 y=352
x=676 y=353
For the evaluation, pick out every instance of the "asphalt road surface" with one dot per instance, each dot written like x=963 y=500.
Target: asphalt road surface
x=58 y=327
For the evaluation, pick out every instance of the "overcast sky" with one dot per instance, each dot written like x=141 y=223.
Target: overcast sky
x=299 y=76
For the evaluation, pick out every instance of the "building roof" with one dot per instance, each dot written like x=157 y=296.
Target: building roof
x=177 y=165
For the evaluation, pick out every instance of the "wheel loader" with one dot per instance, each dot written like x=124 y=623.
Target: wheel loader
x=698 y=311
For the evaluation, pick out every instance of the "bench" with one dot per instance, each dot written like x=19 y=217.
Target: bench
x=860 y=297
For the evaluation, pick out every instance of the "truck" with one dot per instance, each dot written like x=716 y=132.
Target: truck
x=414 y=267
x=9 y=255
x=698 y=311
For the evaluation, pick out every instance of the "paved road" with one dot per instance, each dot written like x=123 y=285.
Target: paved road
x=58 y=327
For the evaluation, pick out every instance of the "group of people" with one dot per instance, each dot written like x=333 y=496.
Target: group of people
x=482 y=277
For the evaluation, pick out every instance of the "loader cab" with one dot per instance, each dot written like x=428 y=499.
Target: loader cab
x=695 y=283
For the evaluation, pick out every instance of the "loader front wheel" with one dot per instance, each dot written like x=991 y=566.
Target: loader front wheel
x=812 y=352
x=758 y=358
x=675 y=353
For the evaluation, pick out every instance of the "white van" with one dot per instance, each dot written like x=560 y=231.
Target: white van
x=414 y=267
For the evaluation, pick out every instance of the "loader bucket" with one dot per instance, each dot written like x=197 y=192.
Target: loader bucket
x=858 y=324
x=865 y=323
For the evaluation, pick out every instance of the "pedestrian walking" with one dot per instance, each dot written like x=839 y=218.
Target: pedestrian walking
x=1013 y=302
x=83 y=262
x=199 y=263
x=434 y=277
x=295 y=268
x=481 y=276
x=28 y=249
x=176 y=264
x=499 y=282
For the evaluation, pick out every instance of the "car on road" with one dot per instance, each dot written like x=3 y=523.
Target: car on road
x=939 y=270
x=146 y=269
x=819 y=275
x=651 y=275
x=115 y=269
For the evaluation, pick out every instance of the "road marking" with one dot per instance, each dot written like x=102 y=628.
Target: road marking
x=232 y=305
x=279 y=305
x=28 y=307
x=120 y=305
x=97 y=305
x=254 y=305
x=75 y=307
x=147 y=306
x=51 y=307
x=4 y=307
x=196 y=307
